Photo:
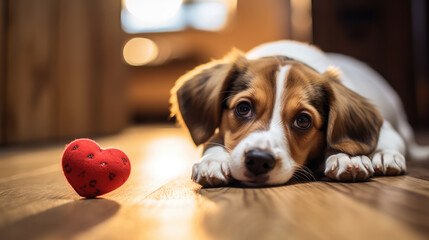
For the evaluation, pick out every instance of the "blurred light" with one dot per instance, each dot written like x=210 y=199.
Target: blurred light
x=141 y=16
x=168 y=157
x=133 y=24
x=140 y=51
x=153 y=11
x=208 y=15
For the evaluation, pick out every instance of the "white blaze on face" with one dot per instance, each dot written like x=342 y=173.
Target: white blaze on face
x=272 y=141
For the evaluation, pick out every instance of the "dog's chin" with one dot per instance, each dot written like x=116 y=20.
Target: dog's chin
x=255 y=181
x=265 y=180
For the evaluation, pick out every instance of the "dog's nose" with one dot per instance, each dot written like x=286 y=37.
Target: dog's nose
x=259 y=162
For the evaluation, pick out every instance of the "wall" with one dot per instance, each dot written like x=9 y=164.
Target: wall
x=62 y=73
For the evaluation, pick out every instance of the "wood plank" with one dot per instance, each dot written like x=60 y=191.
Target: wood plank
x=160 y=202
x=30 y=92
x=400 y=197
x=418 y=169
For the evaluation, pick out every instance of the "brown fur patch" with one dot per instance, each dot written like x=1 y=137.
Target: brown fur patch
x=304 y=94
x=261 y=91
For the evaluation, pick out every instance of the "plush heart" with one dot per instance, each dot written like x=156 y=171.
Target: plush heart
x=92 y=170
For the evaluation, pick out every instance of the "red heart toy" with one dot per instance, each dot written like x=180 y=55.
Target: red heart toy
x=92 y=170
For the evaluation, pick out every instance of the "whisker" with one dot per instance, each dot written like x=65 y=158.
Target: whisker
x=299 y=177
x=310 y=174
x=310 y=177
x=305 y=171
x=302 y=176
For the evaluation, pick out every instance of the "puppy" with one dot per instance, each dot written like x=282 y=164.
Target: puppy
x=283 y=108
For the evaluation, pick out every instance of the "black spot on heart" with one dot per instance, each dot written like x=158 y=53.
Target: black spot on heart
x=81 y=174
x=75 y=147
x=97 y=192
x=67 y=168
x=83 y=187
x=112 y=176
x=91 y=156
x=125 y=161
x=92 y=183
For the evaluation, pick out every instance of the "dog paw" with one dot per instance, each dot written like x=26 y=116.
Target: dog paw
x=342 y=167
x=211 y=173
x=388 y=163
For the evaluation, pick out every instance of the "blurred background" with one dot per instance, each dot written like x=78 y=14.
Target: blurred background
x=79 y=68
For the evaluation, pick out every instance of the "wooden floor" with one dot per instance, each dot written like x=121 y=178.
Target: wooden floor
x=160 y=202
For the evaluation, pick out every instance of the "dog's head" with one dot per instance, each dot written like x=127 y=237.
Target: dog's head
x=273 y=115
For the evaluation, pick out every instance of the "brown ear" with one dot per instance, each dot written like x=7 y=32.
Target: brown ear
x=354 y=123
x=197 y=97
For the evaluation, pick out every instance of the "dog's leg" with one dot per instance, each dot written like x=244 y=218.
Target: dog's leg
x=213 y=168
x=388 y=158
x=343 y=167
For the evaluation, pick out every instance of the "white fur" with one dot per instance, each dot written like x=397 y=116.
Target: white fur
x=390 y=139
x=390 y=150
x=213 y=169
x=272 y=141
x=299 y=51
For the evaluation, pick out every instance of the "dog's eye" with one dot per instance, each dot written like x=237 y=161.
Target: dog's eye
x=303 y=121
x=244 y=110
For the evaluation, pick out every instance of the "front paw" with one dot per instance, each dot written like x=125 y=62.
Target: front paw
x=388 y=162
x=211 y=173
x=342 y=167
